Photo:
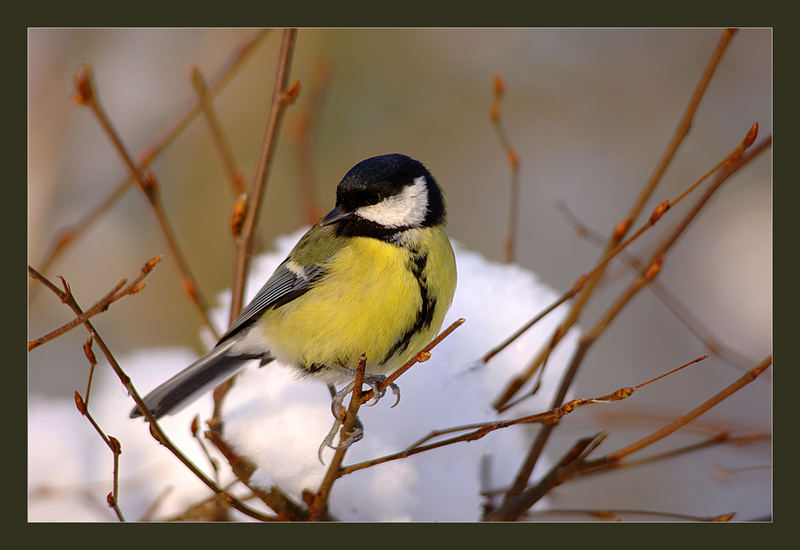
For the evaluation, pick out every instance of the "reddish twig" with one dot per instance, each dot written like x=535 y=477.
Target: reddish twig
x=319 y=503
x=235 y=177
x=513 y=161
x=113 y=497
x=614 y=515
x=481 y=429
x=100 y=306
x=68 y=235
x=518 y=381
x=155 y=429
x=519 y=502
x=721 y=438
x=302 y=133
x=87 y=95
x=282 y=97
x=651 y=270
x=247 y=207
x=681 y=312
x=621 y=229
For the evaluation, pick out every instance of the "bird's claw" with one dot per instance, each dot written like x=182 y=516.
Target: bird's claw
x=338 y=411
x=356 y=435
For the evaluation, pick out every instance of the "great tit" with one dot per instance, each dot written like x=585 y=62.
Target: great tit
x=375 y=276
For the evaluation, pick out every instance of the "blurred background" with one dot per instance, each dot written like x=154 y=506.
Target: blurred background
x=589 y=113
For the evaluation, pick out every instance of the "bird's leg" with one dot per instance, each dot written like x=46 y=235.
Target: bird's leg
x=337 y=408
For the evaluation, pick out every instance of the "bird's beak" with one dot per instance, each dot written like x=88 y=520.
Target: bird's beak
x=336 y=215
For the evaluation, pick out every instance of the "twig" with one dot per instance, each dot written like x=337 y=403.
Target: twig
x=69 y=234
x=87 y=95
x=481 y=429
x=681 y=312
x=302 y=133
x=155 y=429
x=243 y=468
x=513 y=161
x=423 y=355
x=557 y=475
x=517 y=503
x=218 y=137
x=613 y=515
x=653 y=266
x=621 y=229
x=723 y=438
x=82 y=405
x=516 y=383
x=319 y=504
x=748 y=377
x=194 y=431
x=100 y=306
x=247 y=208
x=282 y=97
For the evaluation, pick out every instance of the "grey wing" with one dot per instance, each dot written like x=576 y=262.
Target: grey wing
x=284 y=286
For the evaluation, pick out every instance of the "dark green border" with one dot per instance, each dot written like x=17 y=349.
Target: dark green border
x=409 y=14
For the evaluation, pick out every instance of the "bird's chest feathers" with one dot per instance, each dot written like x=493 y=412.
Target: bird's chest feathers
x=374 y=298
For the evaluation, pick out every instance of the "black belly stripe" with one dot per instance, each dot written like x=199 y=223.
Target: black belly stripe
x=424 y=318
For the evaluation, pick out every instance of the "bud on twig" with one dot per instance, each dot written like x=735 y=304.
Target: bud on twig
x=87 y=350
x=499 y=86
x=113 y=442
x=659 y=211
x=621 y=228
x=654 y=268
x=238 y=216
x=150 y=186
x=80 y=404
x=291 y=93
x=84 y=87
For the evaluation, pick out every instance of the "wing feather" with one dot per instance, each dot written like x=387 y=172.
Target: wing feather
x=282 y=287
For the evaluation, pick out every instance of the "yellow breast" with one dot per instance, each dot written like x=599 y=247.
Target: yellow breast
x=369 y=302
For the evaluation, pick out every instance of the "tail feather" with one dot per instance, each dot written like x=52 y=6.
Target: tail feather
x=210 y=370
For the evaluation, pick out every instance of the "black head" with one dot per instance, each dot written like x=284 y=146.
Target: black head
x=386 y=194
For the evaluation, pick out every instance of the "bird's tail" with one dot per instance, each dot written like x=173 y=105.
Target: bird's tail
x=212 y=369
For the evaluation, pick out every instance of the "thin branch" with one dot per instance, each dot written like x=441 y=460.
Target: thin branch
x=613 y=515
x=517 y=503
x=218 y=137
x=423 y=355
x=155 y=429
x=481 y=429
x=516 y=383
x=246 y=213
x=100 y=306
x=683 y=419
x=723 y=438
x=513 y=161
x=87 y=95
x=282 y=97
x=622 y=228
x=302 y=133
x=113 y=497
x=69 y=234
x=559 y=473
x=243 y=468
x=681 y=312
x=319 y=505
x=653 y=266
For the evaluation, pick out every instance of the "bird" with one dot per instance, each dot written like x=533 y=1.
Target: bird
x=375 y=276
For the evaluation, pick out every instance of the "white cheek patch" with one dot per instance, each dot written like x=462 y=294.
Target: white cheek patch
x=407 y=208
